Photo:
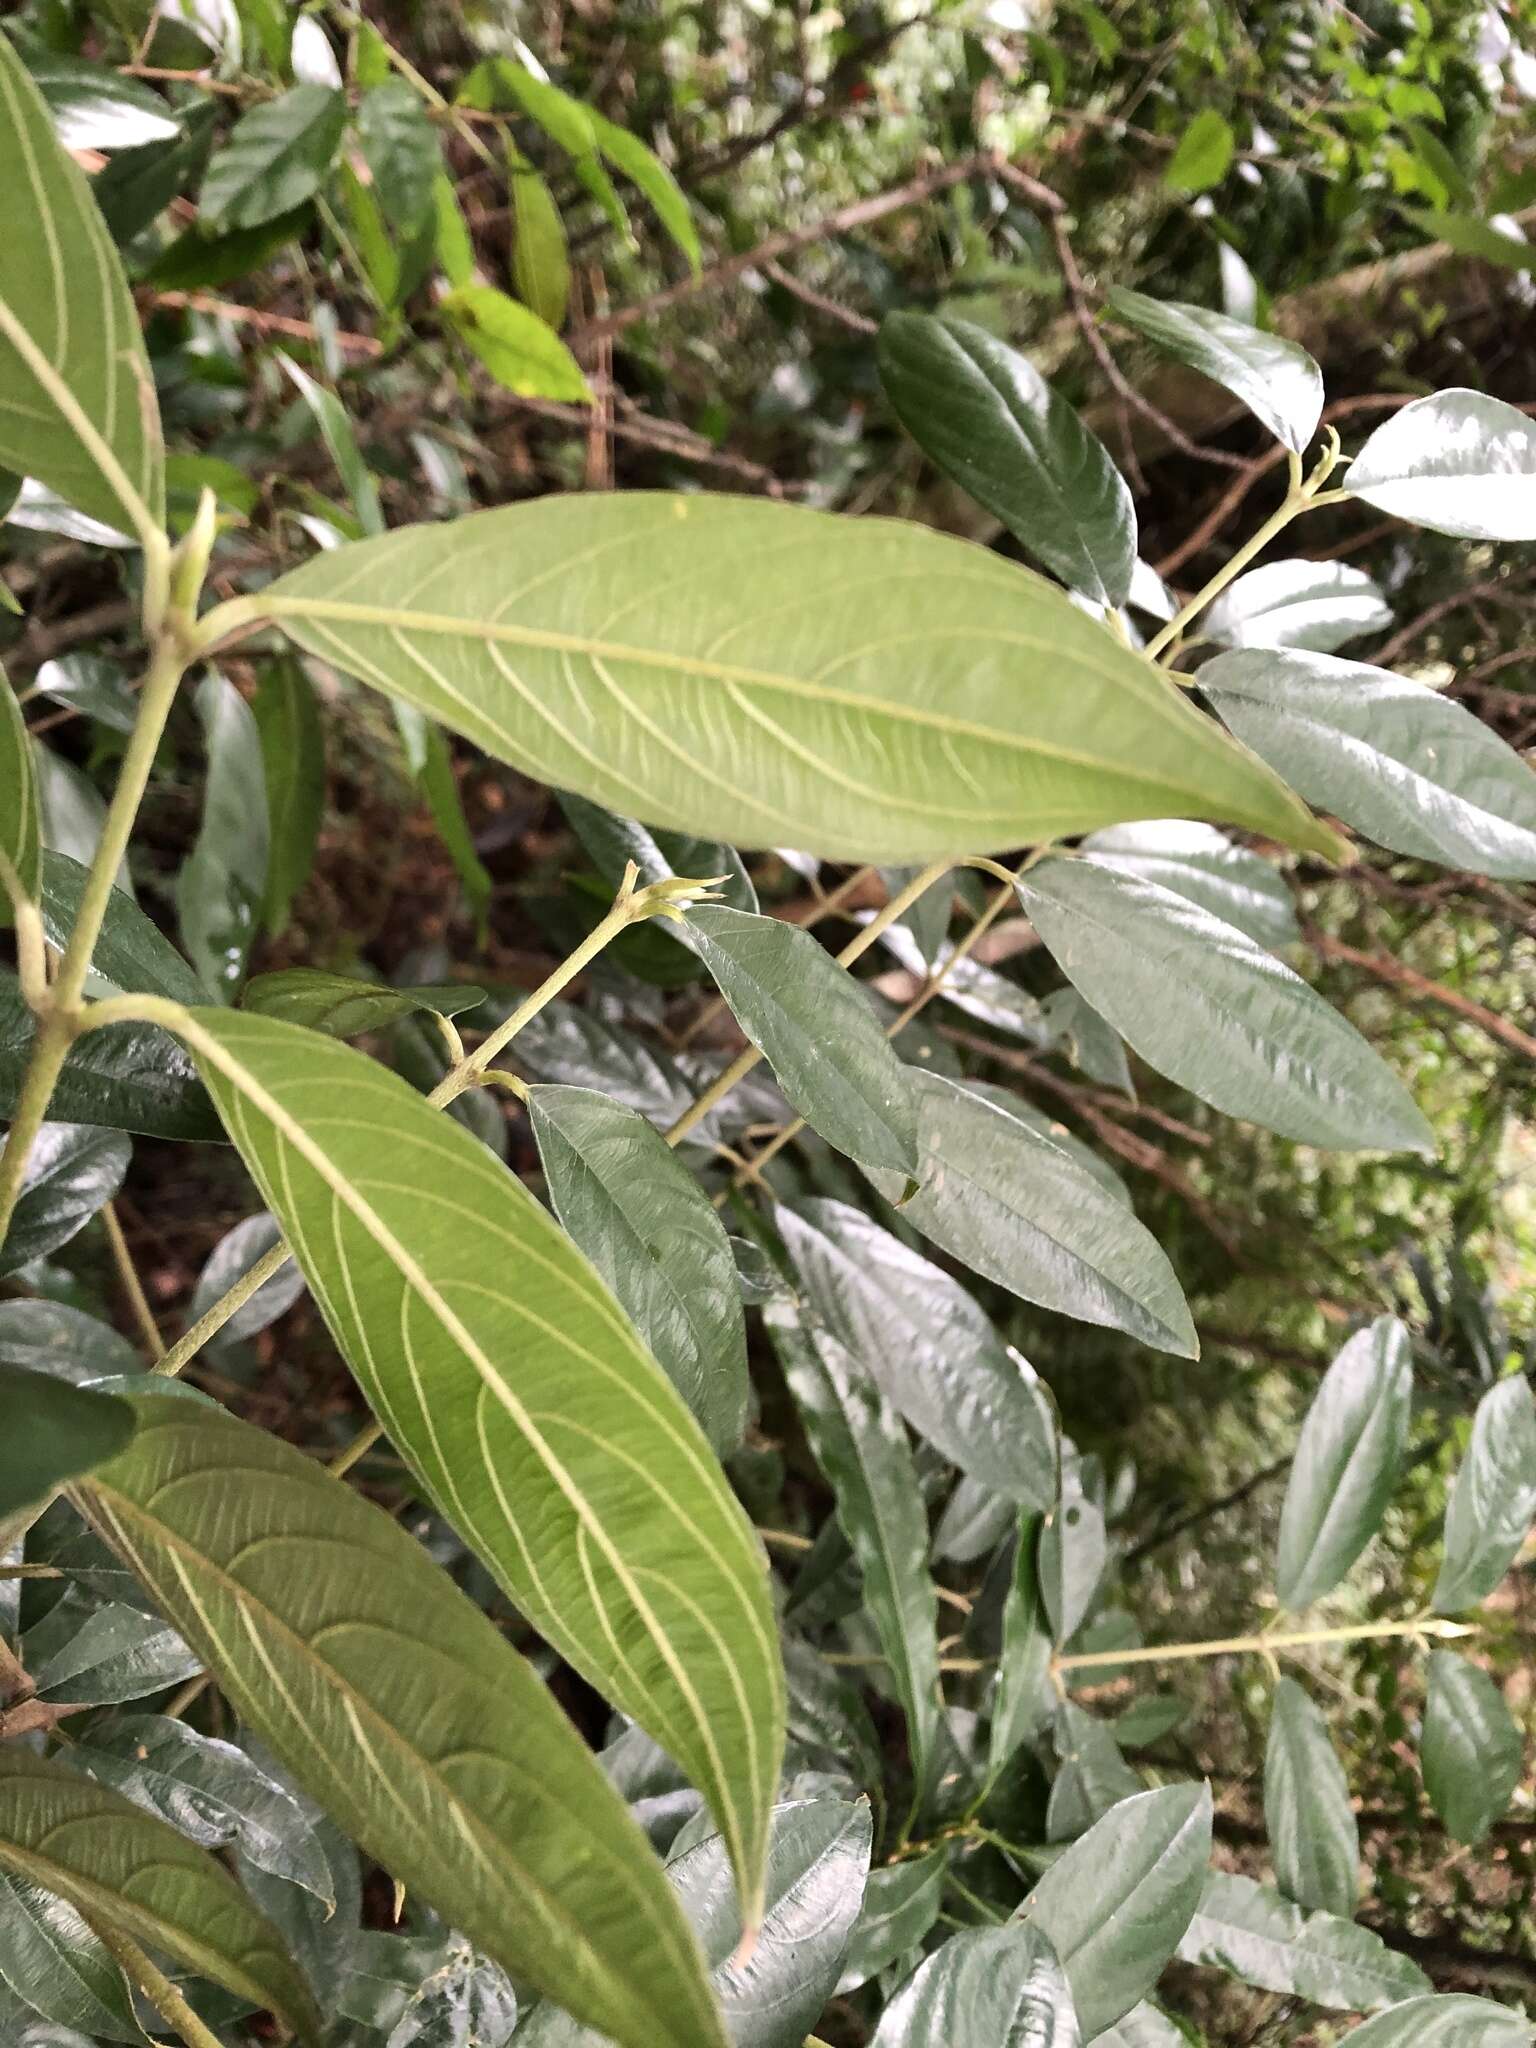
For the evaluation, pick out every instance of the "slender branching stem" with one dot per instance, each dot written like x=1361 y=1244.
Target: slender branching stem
x=133 y=1287
x=156 y=1987
x=1265 y=1645
x=208 y=1327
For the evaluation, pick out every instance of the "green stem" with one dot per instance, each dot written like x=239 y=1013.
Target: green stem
x=1266 y=1645
x=207 y=1327
x=157 y=1988
x=133 y=1286
x=1292 y=504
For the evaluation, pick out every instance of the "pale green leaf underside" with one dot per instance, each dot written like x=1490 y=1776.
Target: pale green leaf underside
x=1313 y=1837
x=119 y=1865
x=521 y=1397
x=20 y=831
x=78 y=361
x=1250 y=1931
x=402 y=1710
x=773 y=676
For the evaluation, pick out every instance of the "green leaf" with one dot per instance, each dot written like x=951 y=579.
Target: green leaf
x=455 y=249
x=990 y=1987
x=292 y=736
x=612 y=842
x=901 y=1906
x=541 y=266
x=394 y=1702
x=209 y=1791
x=1202 y=864
x=51 y=1431
x=1017 y=1208
x=72 y=1172
x=1115 y=1905
x=1470 y=236
x=1493 y=1498
x=137 y=185
x=1073 y=1551
x=221 y=884
x=989 y=420
x=400 y=147
x=1313 y=1838
x=1277 y=381
x=1088 y=1041
x=130 y=953
x=927 y=1346
x=1143 y=2027
x=1204 y=154
x=774 y=676
x=1458 y=462
x=1210 y=1009
x=20 y=821
x=1092 y=1775
x=1149 y=1719
x=642 y=167
x=1408 y=766
x=115 y=1864
x=496 y=1349
x=230 y=1260
x=343 y=1006
x=1346 y=1462
x=519 y=349
x=77 y=400
x=1252 y=1933
x=196 y=260
x=128 y=1077
x=643 y=1221
x=340 y=437
x=818 y=1854
x=815 y=1026
x=1024 y=1696
x=92 y=684
x=566 y=121
x=441 y=789
x=52 y=1337
x=1453 y=2019
x=1314 y=605
x=276 y=159
x=1471 y=1750
x=53 y=1961
x=90 y=1655
x=859 y=1442
x=968 y=985
x=94 y=107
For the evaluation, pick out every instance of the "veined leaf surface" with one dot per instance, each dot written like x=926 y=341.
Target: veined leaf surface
x=1313 y=1835
x=994 y=1987
x=118 y=1865
x=20 y=831
x=520 y=1395
x=1249 y=1930
x=400 y=1708
x=77 y=401
x=1493 y=1499
x=773 y=676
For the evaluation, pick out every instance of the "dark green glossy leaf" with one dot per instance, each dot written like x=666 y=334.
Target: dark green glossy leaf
x=221 y=885
x=275 y=160
x=400 y=145
x=128 y=1077
x=51 y=1337
x=1459 y=462
x=611 y=842
x=137 y=185
x=110 y=1861
x=990 y=1987
x=1023 y=1698
x=395 y=1702
x=72 y=1172
x=131 y=953
x=49 y=1431
x=1200 y=863
x=826 y=1712
x=196 y=260
x=20 y=825
x=94 y=685
x=1471 y=1750
x=1277 y=381
x=68 y=330
x=1403 y=763
x=292 y=737
x=1092 y=1776
x=54 y=1962
x=861 y=1446
x=1453 y=2019
x=1313 y=1838
x=815 y=1026
x=927 y=1346
x=101 y=1655
x=1091 y=1044
x=1253 y=1933
x=230 y=1260
x=1492 y=1499
x=901 y=1905
x=642 y=1219
x=94 y=107
x=1210 y=1009
x=210 y=1791
x=990 y=421
x=1116 y=1904
x=1149 y=1719
x=343 y=1006
x=1317 y=605
x=775 y=676
x=1017 y=1208
x=1346 y=1462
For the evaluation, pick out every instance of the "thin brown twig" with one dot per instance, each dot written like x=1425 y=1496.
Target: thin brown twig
x=1397 y=974
x=818 y=302
x=264 y=322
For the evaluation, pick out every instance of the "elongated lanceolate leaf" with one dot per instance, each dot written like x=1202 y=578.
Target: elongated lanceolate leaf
x=20 y=830
x=861 y=1446
x=927 y=1346
x=72 y=1172
x=1454 y=2019
x=118 y=1865
x=1320 y=605
x=1277 y=381
x=1213 y=1011
x=1252 y=1933
x=644 y=1222
x=50 y=1431
x=343 y=1006
x=1116 y=1904
x=1404 y=764
x=774 y=676
x=1472 y=1751
x=77 y=400
x=994 y=1987
x=1458 y=462
x=1231 y=882
x=397 y=1705
x=991 y=422
x=1018 y=1208
x=59 y=1967
x=1311 y=1824
x=1346 y=1462
x=276 y=158
x=1493 y=1498
x=901 y=1905
x=521 y=1397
